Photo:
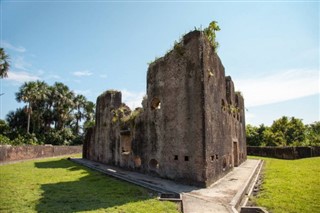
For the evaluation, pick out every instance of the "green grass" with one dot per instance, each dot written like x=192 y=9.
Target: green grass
x=59 y=185
x=290 y=185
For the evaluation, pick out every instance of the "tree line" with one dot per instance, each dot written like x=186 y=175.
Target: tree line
x=284 y=131
x=52 y=115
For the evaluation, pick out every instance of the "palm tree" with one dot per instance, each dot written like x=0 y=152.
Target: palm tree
x=79 y=104
x=4 y=64
x=32 y=93
x=48 y=113
x=63 y=105
x=39 y=106
x=89 y=110
x=17 y=120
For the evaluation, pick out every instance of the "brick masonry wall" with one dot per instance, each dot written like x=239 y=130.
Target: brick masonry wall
x=15 y=153
x=284 y=152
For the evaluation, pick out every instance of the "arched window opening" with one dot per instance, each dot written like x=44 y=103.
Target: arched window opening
x=153 y=164
x=155 y=104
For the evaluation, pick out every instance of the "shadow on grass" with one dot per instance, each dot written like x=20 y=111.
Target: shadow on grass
x=91 y=192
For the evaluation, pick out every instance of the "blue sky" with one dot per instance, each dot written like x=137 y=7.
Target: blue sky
x=271 y=50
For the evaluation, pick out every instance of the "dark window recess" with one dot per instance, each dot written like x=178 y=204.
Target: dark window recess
x=155 y=104
x=212 y=158
x=153 y=164
x=186 y=158
x=223 y=105
x=217 y=157
x=224 y=164
x=176 y=157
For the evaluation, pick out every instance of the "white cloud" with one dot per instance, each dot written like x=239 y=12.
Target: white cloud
x=82 y=92
x=132 y=99
x=82 y=73
x=7 y=45
x=21 y=64
x=279 y=87
x=53 y=77
x=21 y=77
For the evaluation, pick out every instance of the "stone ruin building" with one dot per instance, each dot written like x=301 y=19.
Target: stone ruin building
x=191 y=128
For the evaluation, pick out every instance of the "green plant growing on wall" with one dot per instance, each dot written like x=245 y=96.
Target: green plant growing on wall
x=178 y=48
x=239 y=93
x=211 y=73
x=124 y=117
x=210 y=32
x=234 y=109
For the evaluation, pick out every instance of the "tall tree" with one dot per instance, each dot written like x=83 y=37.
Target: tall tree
x=89 y=112
x=289 y=131
x=256 y=136
x=33 y=93
x=313 y=134
x=63 y=105
x=17 y=120
x=4 y=64
x=27 y=93
x=79 y=105
x=53 y=113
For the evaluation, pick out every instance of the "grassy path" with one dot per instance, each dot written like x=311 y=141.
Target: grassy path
x=58 y=185
x=290 y=186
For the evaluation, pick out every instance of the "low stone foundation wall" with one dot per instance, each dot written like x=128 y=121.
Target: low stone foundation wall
x=284 y=152
x=15 y=153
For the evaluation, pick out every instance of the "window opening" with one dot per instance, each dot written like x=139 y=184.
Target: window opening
x=186 y=158
x=155 y=104
x=224 y=163
x=153 y=164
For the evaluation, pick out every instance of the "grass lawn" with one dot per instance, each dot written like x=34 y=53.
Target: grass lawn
x=59 y=185
x=290 y=185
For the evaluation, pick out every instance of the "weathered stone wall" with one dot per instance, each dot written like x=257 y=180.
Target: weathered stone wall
x=284 y=152
x=224 y=112
x=15 y=153
x=105 y=139
x=175 y=129
x=191 y=127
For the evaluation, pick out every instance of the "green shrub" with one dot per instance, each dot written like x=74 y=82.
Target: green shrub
x=60 y=137
x=4 y=140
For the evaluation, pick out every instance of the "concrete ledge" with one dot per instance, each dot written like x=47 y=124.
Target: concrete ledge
x=245 y=190
x=253 y=209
